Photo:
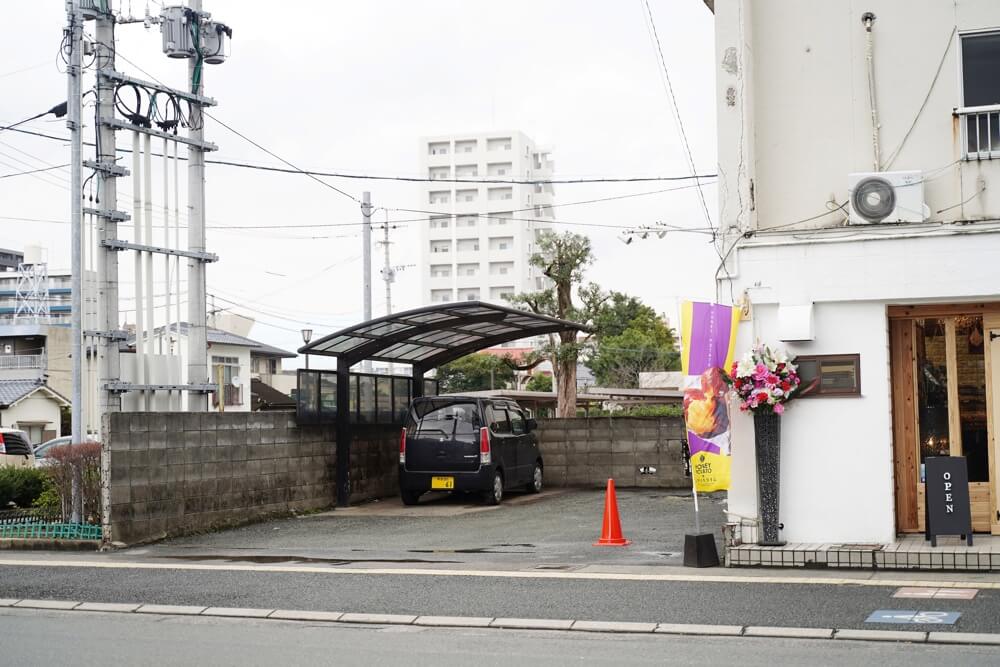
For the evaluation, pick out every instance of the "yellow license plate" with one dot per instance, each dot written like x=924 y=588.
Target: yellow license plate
x=442 y=482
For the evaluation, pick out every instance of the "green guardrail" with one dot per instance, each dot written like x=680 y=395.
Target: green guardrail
x=57 y=531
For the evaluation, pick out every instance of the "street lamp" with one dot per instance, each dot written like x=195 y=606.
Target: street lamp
x=307 y=335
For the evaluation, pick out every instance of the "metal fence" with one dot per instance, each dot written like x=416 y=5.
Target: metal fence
x=980 y=131
x=21 y=361
x=24 y=516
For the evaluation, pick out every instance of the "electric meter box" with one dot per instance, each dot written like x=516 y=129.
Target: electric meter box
x=214 y=47
x=175 y=29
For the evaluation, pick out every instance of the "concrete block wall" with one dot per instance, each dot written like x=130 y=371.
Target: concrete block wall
x=585 y=452
x=178 y=473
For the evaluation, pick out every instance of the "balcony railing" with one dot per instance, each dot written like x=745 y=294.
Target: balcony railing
x=16 y=362
x=980 y=131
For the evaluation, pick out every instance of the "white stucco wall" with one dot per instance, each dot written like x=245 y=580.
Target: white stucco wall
x=836 y=465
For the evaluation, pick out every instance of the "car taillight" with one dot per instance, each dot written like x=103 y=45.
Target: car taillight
x=402 y=447
x=484 y=446
x=3 y=445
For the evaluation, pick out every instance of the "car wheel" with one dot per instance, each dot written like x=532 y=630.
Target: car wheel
x=535 y=485
x=409 y=497
x=495 y=495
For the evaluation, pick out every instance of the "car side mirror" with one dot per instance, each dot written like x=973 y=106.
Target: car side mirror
x=532 y=424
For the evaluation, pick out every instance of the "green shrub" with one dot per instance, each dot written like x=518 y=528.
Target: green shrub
x=49 y=501
x=636 y=411
x=20 y=486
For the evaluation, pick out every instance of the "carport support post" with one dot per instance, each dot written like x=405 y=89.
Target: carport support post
x=343 y=432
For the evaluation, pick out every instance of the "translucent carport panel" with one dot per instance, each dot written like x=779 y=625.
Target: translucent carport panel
x=366 y=390
x=328 y=397
x=383 y=398
x=400 y=397
x=307 y=397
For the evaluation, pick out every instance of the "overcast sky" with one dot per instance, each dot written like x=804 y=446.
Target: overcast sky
x=352 y=86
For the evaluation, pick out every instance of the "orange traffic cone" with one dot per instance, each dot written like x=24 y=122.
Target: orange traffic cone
x=611 y=531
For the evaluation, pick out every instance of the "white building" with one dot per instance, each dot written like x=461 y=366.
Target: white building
x=476 y=242
x=896 y=313
x=234 y=361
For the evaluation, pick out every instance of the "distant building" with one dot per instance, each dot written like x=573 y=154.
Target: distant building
x=476 y=243
x=31 y=406
x=234 y=361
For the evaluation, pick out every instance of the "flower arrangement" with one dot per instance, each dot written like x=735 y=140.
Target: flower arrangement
x=764 y=380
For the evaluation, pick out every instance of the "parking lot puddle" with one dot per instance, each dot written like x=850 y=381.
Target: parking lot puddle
x=283 y=559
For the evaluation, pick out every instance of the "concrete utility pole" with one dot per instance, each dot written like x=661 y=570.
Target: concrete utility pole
x=366 y=260
x=197 y=335
x=388 y=273
x=109 y=362
x=74 y=74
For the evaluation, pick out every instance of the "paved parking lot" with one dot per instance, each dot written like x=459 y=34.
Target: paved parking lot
x=555 y=529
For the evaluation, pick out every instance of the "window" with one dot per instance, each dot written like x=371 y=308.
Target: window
x=440 y=197
x=981 y=88
x=516 y=421
x=440 y=271
x=838 y=374
x=438 y=148
x=224 y=371
x=499 y=424
x=440 y=222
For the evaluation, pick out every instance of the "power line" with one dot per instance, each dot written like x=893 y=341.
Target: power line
x=487 y=181
x=33 y=171
x=412 y=179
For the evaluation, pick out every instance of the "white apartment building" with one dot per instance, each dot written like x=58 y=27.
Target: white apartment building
x=885 y=286
x=479 y=234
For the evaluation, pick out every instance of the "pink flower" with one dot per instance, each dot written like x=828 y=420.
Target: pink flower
x=778 y=408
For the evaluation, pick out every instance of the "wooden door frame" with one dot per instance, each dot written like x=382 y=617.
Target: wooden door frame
x=905 y=416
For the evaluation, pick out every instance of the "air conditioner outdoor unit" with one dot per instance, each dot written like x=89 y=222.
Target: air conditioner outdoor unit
x=888 y=196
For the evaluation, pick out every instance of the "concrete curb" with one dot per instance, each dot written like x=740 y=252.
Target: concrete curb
x=849 y=634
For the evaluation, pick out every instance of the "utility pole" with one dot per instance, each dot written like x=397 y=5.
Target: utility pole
x=109 y=362
x=388 y=273
x=197 y=335
x=74 y=74
x=366 y=261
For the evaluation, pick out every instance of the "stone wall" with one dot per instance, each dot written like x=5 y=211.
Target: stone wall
x=177 y=473
x=587 y=451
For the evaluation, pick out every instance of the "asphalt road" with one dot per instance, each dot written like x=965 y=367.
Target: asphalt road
x=54 y=638
x=736 y=603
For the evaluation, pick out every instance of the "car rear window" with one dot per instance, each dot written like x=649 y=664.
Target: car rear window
x=15 y=443
x=443 y=418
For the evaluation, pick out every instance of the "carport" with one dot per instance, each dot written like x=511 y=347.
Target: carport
x=424 y=338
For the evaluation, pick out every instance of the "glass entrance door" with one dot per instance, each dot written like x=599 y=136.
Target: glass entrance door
x=943 y=370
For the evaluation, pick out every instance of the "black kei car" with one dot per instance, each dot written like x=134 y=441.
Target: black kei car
x=467 y=443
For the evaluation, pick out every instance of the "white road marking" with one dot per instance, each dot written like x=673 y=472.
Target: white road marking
x=508 y=574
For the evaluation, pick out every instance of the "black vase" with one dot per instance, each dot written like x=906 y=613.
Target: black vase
x=767 y=433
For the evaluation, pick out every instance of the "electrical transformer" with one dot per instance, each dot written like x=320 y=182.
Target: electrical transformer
x=175 y=28
x=214 y=47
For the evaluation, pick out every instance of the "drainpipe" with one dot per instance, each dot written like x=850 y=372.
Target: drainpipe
x=868 y=19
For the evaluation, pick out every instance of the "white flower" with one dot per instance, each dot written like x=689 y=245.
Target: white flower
x=746 y=366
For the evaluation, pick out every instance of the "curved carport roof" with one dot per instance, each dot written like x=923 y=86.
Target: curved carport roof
x=425 y=338
x=434 y=335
